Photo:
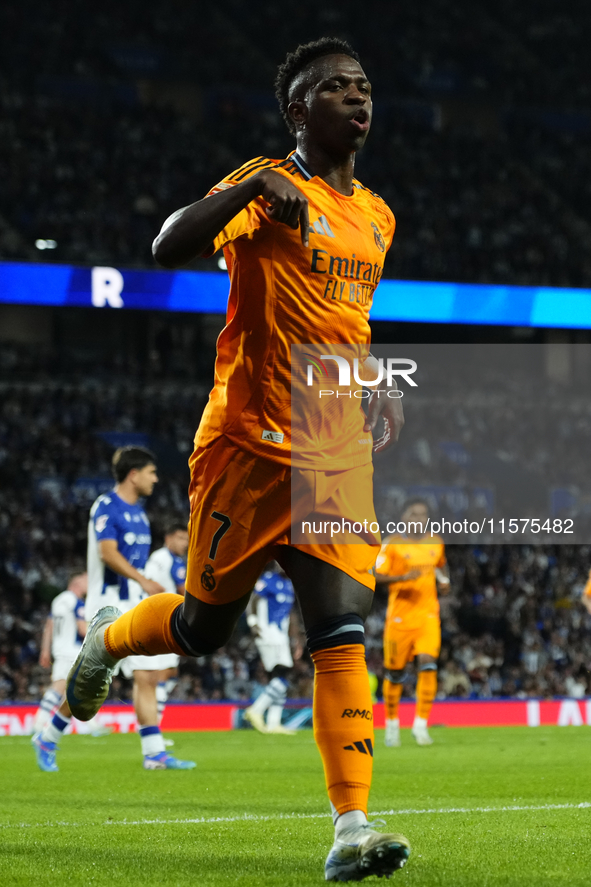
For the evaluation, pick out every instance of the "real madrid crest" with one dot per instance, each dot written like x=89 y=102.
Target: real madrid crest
x=208 y=578
x=377 y=236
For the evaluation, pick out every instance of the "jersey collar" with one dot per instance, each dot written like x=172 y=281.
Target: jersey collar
x=307 y=174
x=301 y=166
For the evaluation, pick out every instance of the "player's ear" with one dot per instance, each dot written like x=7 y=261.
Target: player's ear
x=298 y=112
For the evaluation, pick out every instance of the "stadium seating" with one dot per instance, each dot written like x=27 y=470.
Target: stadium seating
x=480 y=139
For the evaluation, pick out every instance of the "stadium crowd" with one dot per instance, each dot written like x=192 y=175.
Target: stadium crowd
x=512 y=625
x=481 y=141
x=481 y=147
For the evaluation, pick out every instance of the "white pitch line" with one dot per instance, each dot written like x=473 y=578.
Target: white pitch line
x=254 y=817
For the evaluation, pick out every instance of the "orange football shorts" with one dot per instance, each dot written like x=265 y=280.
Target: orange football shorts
x=401 y=646
x=241 y=510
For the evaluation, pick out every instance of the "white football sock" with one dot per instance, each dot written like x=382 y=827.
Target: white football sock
x=419 y=722
x=274 y=716
x=350 y=820
x=273 y=694
x=51 y=699
x=151 y=740
x=54 y=730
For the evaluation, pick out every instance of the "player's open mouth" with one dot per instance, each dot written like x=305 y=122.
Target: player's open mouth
x=360 y=120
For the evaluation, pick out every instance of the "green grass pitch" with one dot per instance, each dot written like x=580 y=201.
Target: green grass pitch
x=481 y=807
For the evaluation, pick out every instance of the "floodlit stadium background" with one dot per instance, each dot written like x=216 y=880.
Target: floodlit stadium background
x=481 y=145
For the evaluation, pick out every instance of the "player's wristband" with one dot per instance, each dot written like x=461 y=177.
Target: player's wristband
x=441 y=577
x=252 y=620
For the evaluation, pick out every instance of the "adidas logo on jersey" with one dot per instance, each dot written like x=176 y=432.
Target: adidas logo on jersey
x=273 y=436
x=322 y=226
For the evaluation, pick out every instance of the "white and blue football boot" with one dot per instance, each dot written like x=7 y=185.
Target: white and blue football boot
x=45 y=753
x=164 y=761
x=360 y=852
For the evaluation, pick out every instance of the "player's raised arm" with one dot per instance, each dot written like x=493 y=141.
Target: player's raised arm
x=189 y=232
x=414 y=573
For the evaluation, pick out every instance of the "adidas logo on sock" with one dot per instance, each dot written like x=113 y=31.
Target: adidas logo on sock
x=365 y=747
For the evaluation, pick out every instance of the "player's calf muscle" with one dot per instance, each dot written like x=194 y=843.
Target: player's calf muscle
x=207 y=627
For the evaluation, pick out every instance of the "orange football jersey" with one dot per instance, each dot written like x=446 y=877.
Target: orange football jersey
x=284 y=294
x=410 y=602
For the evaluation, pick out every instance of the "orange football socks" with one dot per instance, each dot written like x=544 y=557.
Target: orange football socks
x=392 y=693
x=145 y=630
x=343 y=724
x=426 y=690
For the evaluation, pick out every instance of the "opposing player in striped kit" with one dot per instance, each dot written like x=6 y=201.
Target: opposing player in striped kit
x=119 y=540
x=270 y=621
x=62 y=638
x=168 y=567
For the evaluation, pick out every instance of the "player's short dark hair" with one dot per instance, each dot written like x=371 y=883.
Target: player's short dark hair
x=415 y=500
x=175 y=526
x=295 y=62
x=126 y=459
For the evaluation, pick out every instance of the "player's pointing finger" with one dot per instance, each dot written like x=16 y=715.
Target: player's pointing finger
x=305 y=224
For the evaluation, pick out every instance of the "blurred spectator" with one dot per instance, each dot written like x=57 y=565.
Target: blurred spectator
x=453 y=681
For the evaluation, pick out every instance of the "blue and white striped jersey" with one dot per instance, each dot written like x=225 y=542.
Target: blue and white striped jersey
x=276 y=594
x=66 y=609
x=112 y=518
x=167 y=568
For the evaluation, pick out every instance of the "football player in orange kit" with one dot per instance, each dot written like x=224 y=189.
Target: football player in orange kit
x=413 y=566
x=586 y=595
x=304 y=243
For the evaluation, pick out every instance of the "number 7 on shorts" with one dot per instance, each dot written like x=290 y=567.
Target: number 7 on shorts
x=226 y=523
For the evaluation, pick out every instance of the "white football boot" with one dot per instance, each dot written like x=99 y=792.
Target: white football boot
x=88 y=682
x=255 y=719
x=281 y=730
x=360 y=851
x=392 y=734
x=420 y=732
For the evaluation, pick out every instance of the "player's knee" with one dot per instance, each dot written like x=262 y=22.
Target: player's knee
x=394 y=675
x=280 y=671
x=204 y=645
x=144 y=678
x=336 y=632
x=426 y=663
x=195 y=638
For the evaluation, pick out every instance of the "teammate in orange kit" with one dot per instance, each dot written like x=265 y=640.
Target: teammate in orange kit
x=413 y=566
x=586 y=595
x=304 y=243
